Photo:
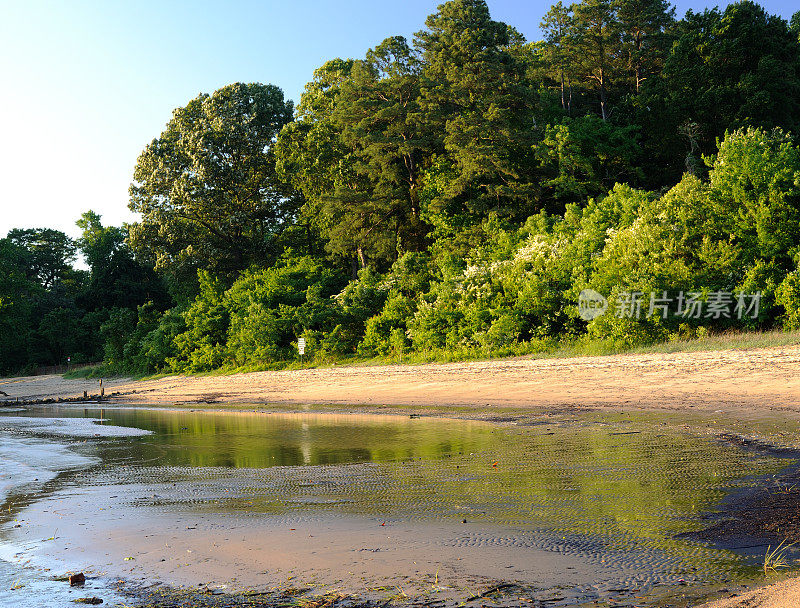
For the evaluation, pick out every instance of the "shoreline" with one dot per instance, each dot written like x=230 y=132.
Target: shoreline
x=747 y=383
x=735 y=379
x=142 y=573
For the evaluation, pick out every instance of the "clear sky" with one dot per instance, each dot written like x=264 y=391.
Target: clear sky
x=86 y=85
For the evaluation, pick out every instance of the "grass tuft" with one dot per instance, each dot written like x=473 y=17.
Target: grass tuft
x=778 y=557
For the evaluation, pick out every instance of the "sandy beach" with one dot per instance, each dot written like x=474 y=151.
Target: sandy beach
x=744 y=382
x=746 y=379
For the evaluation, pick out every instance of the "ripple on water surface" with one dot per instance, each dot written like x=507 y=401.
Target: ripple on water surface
x=611 y=493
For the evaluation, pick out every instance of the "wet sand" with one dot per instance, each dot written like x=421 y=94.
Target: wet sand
x=368 y=558
x=145 y=520
x=150 y=518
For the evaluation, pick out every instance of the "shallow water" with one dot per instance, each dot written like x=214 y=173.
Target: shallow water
x=32 y=459
x=606 y=490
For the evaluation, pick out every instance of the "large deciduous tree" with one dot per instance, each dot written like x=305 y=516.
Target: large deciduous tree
x=48 y=253
x=116 y=278
x=207 y=188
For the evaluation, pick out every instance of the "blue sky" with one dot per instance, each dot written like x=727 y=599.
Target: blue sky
x=86 y=85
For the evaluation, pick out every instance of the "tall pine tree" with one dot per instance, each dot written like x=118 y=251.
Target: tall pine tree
x=478 y=105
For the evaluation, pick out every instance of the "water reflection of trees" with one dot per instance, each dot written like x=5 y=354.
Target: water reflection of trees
x=631 y=491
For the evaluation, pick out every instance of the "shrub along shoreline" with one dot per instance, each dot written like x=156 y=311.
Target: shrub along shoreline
x=722 y=242
x=731 y=340
x=463 y=194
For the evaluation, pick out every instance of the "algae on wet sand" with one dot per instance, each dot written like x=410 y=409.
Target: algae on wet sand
x=610 y=498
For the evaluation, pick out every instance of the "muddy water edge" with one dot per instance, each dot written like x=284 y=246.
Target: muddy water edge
x=634 y=508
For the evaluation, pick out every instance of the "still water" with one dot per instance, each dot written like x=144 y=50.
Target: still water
x=616 y=490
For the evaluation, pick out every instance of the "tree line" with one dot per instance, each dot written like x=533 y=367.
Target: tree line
x=454 y=192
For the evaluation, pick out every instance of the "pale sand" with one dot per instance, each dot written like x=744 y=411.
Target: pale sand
x=785 y=594
x=758 y=378
x=742 y=380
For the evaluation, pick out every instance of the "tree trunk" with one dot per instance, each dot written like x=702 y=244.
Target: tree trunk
x=569 y=102
x=638 y=47
x=603 y=97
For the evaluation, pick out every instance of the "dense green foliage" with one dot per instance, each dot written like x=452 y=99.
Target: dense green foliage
x=456 y=192
x=50 y=312
x=206 y=188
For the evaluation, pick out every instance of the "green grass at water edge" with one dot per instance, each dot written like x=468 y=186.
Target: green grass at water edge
x=539 y=349
x=104 y=370
x=542 y=349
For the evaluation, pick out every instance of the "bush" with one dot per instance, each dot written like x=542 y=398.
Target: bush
x=116 y=332
x=396 y=313
x=270 y=308
x=158 y=346
x=624 y=333
x=788 y=296
x=203 y=346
